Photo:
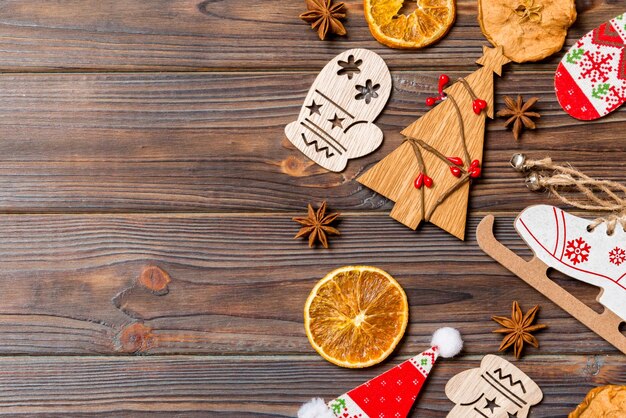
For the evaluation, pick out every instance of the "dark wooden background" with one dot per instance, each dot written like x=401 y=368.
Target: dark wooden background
x=151 y=132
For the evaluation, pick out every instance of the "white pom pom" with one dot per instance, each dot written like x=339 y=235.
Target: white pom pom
x=315 y=408
x=448 y=341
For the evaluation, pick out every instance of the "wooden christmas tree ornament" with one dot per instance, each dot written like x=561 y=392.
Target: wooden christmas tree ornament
x=336 y=120
x=570 y=245
x=496 y=389
x=428 y=176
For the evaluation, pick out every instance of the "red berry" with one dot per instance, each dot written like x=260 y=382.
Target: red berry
x=443 y=80
x=455 y=160
x=475 y=172
x=430 y=101
x=478 y=105
x=419 y=181
x=428 y=181
x=475 y=164
x=456 y=171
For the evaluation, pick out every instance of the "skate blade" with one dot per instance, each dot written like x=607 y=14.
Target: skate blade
x=534 y=272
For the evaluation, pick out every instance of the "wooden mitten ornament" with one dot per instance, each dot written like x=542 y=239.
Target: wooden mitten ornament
x=562 y=241
x=336 y=120
x=590 y=81
x=428 y=176
x=497 y=389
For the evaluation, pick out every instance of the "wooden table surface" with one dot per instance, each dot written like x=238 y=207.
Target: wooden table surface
x=140 y=133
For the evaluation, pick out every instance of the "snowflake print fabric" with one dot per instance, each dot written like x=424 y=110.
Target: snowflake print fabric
x=595 y=66
x=577 y=251
x=590 y=81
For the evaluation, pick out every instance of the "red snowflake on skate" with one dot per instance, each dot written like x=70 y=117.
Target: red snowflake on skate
x=617 y=256
x=577 y=251
x=596 y=66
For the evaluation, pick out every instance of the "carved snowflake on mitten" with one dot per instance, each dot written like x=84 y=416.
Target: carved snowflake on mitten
x=349 y=67
x=577 y=251
x=596 y=66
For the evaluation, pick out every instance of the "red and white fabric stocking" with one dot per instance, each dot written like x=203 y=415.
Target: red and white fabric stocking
x=391 y=394
x=590 y=81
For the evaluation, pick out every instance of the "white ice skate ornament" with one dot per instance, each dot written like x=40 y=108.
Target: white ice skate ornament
x=562 y=241
x=336 y=120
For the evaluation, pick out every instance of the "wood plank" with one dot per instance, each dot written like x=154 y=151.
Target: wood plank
x=215 y=142
x=256 y=386
x=198 y=35
x=239 y=284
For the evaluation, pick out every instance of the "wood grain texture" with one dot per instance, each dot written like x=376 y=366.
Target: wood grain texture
x=215 y=142
x=191 y=35
x=187 y=168
x=254 y=386
x=70 y=284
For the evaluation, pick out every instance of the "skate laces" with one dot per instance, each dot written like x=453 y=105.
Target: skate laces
x=576 y=189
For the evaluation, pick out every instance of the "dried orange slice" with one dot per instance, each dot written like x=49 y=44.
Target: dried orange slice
x=426 y=24
x=355 y=316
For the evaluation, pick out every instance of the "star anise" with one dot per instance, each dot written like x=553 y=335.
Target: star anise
x=324 y=16
x=518 y=114
x=316 y=225
x=518 y=329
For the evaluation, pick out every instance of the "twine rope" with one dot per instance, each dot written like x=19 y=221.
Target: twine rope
x=596 y=195
x=420 y=163
x=459 y=117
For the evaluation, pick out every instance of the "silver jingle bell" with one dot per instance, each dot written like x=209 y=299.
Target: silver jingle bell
x=532 y=182
x=518 y=161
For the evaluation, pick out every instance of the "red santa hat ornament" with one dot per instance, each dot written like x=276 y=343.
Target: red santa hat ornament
x=391 y=394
